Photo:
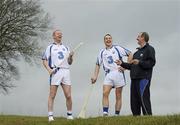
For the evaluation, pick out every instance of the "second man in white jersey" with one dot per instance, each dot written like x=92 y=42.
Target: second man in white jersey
x=114 y=74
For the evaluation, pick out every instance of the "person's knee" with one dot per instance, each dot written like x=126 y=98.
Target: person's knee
x=52 y=95
x=118 y=95
x=68 y=97
x=118 y=98
x=105 y=93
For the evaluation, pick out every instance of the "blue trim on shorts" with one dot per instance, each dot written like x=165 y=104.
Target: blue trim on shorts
x=50 y=79
x=124 y=76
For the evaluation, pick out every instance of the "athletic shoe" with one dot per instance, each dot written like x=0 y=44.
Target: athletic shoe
x=116 y=115
x=70 y=117
x=50 y=119
x=105 y=114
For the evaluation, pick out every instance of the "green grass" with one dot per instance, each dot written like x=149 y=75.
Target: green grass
x=121 y=120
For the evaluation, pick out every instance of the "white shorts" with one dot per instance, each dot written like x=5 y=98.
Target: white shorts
x=62 y=76
x=115 y=79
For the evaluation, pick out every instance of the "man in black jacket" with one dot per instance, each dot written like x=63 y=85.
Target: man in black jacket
x=141 y=68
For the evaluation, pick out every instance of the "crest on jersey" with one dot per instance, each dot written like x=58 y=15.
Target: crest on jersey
x=113 y=52
x=63 y=49
x=141 y=55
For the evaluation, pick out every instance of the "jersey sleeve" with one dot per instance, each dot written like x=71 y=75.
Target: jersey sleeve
x=123 y=51
x=46 y=54
x=99 y=58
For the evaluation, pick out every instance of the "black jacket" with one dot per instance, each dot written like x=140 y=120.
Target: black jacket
x=146 y=57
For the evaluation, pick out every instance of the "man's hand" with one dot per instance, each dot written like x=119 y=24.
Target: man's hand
x=70 y=58
x=71 y=54
x=121 y=69
x=50 y=71
x=93 y=79
x=135 y=61
x=118 y=62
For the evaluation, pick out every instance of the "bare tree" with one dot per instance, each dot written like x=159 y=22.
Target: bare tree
x=22 y=22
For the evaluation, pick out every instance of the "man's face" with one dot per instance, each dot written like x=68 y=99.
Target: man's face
x=140 y=39
x=108 y=41
x=57 y=36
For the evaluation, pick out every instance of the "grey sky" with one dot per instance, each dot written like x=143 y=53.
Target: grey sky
x=88 y=21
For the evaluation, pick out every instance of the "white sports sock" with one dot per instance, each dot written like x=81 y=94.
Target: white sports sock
x=50 y=113
x=69 y=112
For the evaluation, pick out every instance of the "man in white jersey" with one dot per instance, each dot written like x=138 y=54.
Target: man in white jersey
x=114 y=74
x=56 y=60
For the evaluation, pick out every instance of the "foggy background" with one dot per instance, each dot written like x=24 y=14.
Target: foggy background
x=88 y=21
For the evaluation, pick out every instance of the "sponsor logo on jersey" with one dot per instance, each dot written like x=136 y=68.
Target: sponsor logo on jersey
x=55 y=49
x=105 y=54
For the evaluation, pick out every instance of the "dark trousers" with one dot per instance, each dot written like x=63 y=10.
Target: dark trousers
x=140 y=96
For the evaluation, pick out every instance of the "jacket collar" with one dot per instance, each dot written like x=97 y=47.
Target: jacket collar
x=147 y=44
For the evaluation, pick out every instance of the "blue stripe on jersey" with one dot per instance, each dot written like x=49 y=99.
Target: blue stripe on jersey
x=66 y=48
x=126 y=50
x=118 y=53
x=49 y=59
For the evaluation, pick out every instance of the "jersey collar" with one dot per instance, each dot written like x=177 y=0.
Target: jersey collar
x=109 y=48
x=57 y=43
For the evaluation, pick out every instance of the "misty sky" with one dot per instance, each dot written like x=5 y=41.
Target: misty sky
x=88 y=21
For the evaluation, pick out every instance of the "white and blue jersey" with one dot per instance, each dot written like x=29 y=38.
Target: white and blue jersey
x=107 y=57
x=56 y=55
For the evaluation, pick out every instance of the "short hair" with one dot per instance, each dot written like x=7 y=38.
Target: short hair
x=146 y=36
x=107 y=35
x=55 y=32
